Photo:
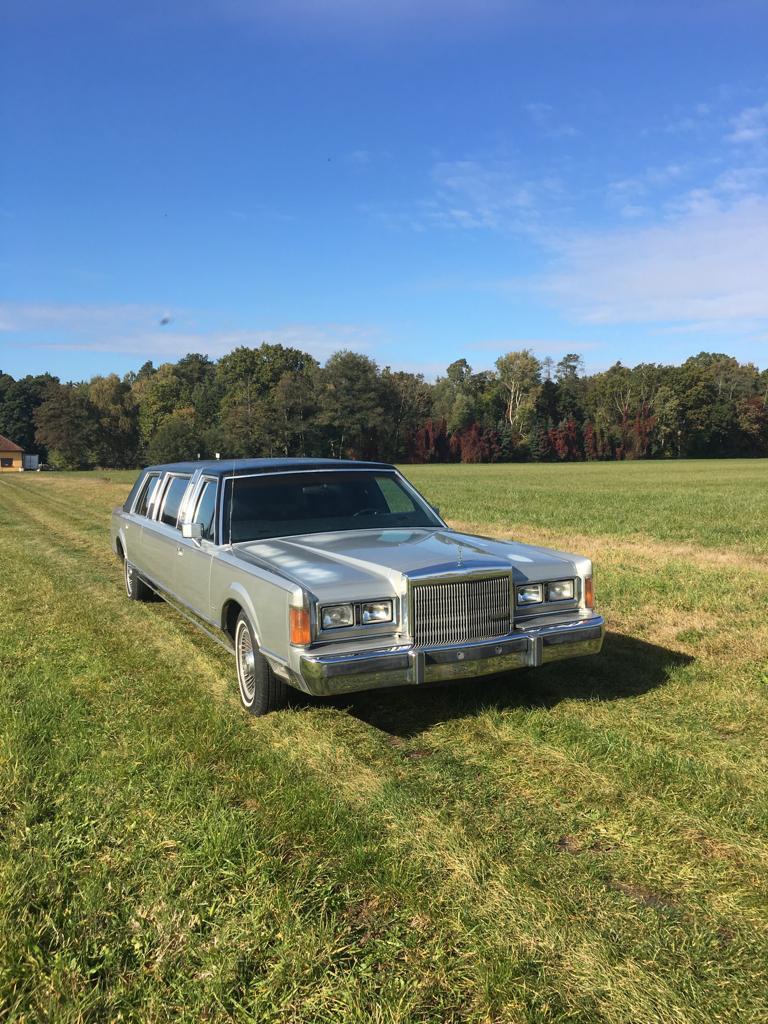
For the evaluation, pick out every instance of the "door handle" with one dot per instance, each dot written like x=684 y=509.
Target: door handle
x=179 y=549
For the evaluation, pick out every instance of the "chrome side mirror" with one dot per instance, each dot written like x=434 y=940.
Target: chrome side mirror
x=192 y=531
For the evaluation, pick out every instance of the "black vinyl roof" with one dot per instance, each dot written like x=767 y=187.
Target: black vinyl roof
x=234 y=467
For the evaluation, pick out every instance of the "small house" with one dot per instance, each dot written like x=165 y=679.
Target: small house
x=11 y=456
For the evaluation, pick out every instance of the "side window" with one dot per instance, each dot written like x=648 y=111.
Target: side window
x=173 y=496
x=147 y=493
x=206 y=509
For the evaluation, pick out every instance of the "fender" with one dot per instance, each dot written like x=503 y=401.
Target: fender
x=237 y=592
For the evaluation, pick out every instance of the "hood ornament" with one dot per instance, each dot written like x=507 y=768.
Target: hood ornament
x=460 y=559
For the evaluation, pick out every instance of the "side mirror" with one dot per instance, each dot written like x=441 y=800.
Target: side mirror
x=192 y=531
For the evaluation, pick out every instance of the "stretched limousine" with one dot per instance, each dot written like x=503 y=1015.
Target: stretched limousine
x=333 y=576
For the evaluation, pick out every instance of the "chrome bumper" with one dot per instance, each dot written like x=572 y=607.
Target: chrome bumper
x=325 y=674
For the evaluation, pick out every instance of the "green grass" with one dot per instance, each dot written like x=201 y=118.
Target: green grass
x=716 y=503
x=583 y=842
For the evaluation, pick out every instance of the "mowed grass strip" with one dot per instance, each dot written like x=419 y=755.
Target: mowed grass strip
x=584 y=843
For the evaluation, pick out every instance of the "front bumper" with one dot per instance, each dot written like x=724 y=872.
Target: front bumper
x=326 y=674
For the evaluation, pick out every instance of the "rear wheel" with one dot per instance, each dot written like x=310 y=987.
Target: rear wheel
x=261 y=691
x=135 y=587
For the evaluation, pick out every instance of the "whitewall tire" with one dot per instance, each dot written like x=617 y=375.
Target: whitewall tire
x=261 y=691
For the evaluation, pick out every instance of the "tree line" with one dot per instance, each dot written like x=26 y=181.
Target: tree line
x=275 y=400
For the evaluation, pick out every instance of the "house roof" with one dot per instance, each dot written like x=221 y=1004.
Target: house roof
x=7 y=445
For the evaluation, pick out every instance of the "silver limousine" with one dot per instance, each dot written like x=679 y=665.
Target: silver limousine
x=332 y=576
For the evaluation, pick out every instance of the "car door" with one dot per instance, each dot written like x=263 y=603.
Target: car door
x=194 y=559
x=159 y=535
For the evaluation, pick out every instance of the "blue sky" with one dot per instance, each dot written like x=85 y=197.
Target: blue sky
x=417 y=181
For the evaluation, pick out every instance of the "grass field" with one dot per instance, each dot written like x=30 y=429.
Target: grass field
x=584 y=842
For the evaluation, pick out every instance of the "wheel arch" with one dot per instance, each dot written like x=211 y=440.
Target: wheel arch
x=119 y=540
x=229 y=616
x=235 y=602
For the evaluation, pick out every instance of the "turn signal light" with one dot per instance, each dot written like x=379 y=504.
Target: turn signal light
x=300 y=632
x=589 y=593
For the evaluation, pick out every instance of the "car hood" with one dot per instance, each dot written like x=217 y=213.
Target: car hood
x=385 y=559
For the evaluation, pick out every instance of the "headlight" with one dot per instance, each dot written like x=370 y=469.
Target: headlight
x=560 y=591
x=334 y=616
x=376 y=611
x=531 y=593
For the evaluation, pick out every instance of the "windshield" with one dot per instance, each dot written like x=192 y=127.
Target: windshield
x=283 y=505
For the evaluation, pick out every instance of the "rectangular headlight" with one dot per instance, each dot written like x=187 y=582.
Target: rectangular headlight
x=335 y=616
x=531 y=593
x=562 y=590
x=375 y=611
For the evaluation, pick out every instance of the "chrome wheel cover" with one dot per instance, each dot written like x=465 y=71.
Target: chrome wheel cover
x=129 y=582
x=246 y=663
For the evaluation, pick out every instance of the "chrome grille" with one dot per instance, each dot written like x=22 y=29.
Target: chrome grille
x=464 y=610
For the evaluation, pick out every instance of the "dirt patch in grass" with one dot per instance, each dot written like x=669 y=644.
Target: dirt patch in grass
x=643 y=895
x=368 y=918
x=572 y=844
x=716 y=849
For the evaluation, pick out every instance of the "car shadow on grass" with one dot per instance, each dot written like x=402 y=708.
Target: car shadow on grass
x=625 y=668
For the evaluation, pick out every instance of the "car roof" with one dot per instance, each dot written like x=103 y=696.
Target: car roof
x=236 y=467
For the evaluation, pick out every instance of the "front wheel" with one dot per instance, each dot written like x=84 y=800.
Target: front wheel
x=135 y=587
x=260 y=689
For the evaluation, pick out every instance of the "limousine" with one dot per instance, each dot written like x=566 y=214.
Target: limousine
x=333 y=576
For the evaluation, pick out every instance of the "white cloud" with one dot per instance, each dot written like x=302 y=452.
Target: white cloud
x=633 y=211
x=624 y=193
x=544 y=117
x=21 y=316
x=741 y=181
x=473 y=194
x=136 y=330
x=358 y=157
x=362 y=12
x=708 y=265
x=693 y=120
x=442 y=16
x=751 y=125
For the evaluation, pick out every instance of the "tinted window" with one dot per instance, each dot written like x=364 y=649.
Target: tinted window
x=206 y=509
x=300 y=503
x=141 y=479
x=173 y=496
x=147 y=493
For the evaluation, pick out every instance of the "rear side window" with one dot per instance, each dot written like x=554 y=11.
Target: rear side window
x=147 y=494
x=173 y=496
x=206 y=509
x=141 y=479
